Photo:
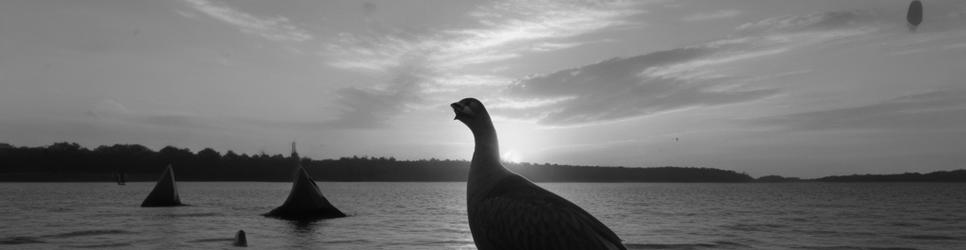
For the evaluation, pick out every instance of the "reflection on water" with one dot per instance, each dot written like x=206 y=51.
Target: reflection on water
x=433 y=215
x=303 y=227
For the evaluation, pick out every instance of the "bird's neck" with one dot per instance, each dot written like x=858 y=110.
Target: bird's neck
x=486 y=156
x=487 y=146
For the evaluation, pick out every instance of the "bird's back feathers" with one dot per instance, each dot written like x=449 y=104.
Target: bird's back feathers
x=517 y=214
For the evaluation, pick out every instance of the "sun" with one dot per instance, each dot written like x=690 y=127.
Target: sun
x=511 y=156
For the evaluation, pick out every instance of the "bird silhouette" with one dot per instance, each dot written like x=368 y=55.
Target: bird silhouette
x=507 y=211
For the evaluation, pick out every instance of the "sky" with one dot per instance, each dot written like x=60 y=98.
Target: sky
x=794 y=88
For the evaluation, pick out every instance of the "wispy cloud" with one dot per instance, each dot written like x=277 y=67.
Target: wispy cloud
x=112 y=111
x=614 y=90
x=661 y=81
x=365 y=108
x=929 y=111
x=821 y=21
x=271 y=28
x=503 y=31
x=707 y=16
x=514 y=22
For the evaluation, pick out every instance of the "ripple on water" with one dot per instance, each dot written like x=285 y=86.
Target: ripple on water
x=104 y=245
x=672 y=246
x=190 y=215
x=904 y=224
x=20 y=240
x=212 y=240
x=355 y=241
x=88 y=233
x=928 y=237
x=757 y=227
x=852 y=247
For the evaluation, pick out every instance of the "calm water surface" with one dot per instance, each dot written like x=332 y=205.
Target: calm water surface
x=433 y=215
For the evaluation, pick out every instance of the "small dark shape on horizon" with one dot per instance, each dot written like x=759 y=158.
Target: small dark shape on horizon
x=120 y=178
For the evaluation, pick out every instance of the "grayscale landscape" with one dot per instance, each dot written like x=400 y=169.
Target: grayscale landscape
x=504 y=124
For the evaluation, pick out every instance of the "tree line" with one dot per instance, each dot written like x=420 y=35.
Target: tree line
x=66 y=161
x=938 y=176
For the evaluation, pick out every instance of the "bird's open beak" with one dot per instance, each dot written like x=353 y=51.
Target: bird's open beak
x=458 y=109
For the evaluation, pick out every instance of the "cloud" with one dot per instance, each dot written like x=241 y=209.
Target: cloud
x=110 y=111
x=274 y=28
x=929 y=111
x=369 y=108
x=615 y=89
x=107 y=108
x=622 y=88
x=504 y=30
x=513 y=22
x=366 y=108
x=368 y=8
x=706 y=16
x=821 y=21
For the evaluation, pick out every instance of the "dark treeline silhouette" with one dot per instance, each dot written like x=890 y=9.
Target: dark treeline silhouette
x=938 y=176
x=72 y=162
x=389 y=169
x=777 y=178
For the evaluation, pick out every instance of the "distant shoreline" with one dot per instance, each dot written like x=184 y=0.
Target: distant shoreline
x=96 y=178
x=69 y=162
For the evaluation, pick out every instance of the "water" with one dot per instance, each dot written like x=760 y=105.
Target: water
x=433 y=215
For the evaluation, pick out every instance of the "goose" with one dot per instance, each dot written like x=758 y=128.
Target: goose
x=507 y=211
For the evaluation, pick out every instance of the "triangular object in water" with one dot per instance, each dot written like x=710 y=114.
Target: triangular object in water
x=240 y=239
x=305 y=201
x=165 y=193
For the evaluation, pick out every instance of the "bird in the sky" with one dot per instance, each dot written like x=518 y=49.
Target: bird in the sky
x=507 y=211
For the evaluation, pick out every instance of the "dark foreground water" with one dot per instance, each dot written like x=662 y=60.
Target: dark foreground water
x=433 y=215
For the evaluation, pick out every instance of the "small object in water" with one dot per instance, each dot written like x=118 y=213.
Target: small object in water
x=240 y=239
x=119 y=177
x=165 y=193
x=305 y=202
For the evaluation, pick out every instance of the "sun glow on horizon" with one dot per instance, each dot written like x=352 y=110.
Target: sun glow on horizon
x=511 y=156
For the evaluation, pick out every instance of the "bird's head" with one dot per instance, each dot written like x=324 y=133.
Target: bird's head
x=470 y=111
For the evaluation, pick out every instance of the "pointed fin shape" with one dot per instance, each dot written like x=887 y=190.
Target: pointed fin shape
x=305 y=201
x=165 y=193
